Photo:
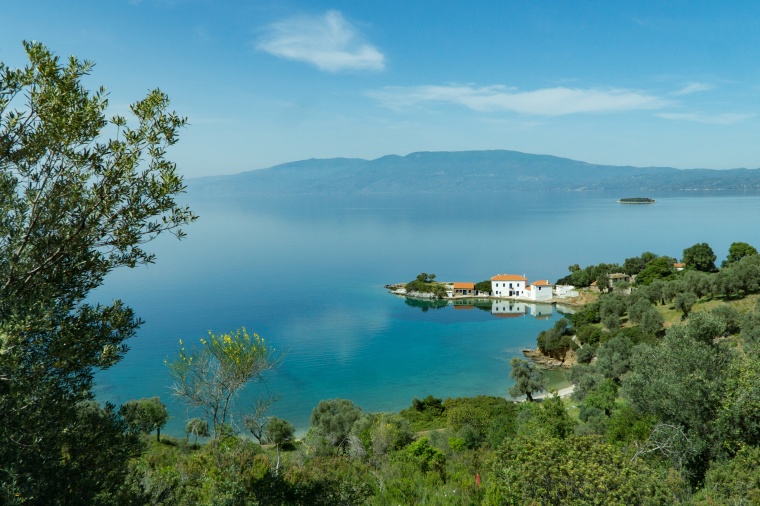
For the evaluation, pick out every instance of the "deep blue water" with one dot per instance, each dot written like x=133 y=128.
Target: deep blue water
x=307 y=274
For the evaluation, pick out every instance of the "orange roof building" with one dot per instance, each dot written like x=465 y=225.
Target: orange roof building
x=464 y=288
x=508 y=277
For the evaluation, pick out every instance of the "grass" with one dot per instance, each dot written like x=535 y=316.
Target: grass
x=743 y=305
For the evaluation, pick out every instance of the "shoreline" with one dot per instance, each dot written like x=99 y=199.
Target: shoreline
x=400 y=290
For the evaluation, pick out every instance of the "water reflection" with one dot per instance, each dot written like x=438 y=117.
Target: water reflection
x=500 y=308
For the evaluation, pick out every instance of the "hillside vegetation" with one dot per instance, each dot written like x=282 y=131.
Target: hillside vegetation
x=666 y=410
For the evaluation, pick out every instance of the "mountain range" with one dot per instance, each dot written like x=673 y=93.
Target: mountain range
x=467 y=171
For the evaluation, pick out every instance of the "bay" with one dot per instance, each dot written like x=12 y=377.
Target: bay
x=307 y=274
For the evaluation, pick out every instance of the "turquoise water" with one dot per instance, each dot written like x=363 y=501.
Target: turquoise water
x=307 y=274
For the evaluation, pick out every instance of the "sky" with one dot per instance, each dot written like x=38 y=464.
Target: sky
x=643 y=83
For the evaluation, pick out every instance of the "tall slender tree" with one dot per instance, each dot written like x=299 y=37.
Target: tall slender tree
x=74 y=205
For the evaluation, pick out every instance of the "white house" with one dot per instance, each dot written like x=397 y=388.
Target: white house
x=508 y=285
x=565 y=291
x=540 y=290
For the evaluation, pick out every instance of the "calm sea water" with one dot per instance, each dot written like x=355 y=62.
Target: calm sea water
x=307 y=274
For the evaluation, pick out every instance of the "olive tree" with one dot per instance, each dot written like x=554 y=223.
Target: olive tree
x=279 y=432
x=528 y=378
x=211 y=376
x=198 y=427
x=146 y=415
x=333 y=421
x=80 y=195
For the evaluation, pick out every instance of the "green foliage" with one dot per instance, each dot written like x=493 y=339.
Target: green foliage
x=584 y=277
x=603 y=397
x=279 y=432
x=741 y=276
x=679 y=383
x=585 y=378
x=734 y=481
x=493 y=419
x=750 y=329
x=588 y=334
x=146 y=415
x=210 y=377
x=377 y=435
x=527 y=376
x=613 y=357
x=586 y=315
x=612 y=307
x=700 y=257
x=625 y=426
x=198 y=427
x=483 y=286
x=731 y=316
x=585 y=354
x=737 y=251
x=651 y=323
x=425 y=414
x=738 y=409
x=75 y=206
x=425 y=283
x=659 y=268
x=696 y=282
x=575 y=470
x=557 y=341
x=427 y=457
x=548 y=418
x=635 y=265
x=684 y=302
x=333 y=420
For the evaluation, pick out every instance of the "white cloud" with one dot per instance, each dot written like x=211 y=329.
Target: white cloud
x=557 y=101
x=328 y=42
x=694 y=88
x=727 y=118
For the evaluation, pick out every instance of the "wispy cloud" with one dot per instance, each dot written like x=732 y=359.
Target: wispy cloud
x=727 y=118
x=557 y=101
x=694 y=88
x=328 y=42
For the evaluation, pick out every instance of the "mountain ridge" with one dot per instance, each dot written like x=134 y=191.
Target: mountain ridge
x=467 y=171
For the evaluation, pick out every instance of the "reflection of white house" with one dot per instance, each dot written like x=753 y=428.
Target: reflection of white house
x=508 y=285
x=508 y=308
x=540 y=290
x=540 y=310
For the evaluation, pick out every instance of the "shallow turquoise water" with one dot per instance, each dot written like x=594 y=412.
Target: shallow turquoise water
x=307 y=274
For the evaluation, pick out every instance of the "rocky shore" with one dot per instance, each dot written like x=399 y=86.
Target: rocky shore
x=545 y=362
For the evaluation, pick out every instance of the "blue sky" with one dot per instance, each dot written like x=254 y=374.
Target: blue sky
x=264 y=82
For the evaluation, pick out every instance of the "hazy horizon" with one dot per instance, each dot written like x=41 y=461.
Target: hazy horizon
x=264 y=83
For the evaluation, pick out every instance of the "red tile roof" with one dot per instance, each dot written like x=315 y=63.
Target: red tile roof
x=508 y=277
x=542 y=282
x=464 y=286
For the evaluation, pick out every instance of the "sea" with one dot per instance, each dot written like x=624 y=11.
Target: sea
x=308 y=274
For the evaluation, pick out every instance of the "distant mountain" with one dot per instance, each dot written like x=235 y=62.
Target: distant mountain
x=467 y=171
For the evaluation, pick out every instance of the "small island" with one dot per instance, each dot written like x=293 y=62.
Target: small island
x=636 y=200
